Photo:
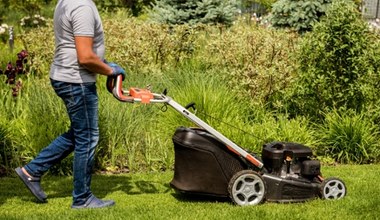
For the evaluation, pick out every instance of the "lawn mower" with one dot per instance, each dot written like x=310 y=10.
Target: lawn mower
x=208 y=163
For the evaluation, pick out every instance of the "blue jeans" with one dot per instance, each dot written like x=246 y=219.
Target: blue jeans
x=81 y=101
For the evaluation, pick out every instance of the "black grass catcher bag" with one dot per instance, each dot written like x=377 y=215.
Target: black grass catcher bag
x=203 y=165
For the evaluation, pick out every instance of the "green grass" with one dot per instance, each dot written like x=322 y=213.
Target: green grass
x=148 y=196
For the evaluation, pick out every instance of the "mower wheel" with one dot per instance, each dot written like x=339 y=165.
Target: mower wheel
x=247 y=187
x=333 y=188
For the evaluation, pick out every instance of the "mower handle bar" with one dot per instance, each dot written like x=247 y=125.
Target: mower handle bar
x=115 y=86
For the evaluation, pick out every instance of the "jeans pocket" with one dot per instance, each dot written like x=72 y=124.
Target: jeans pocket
x=64 y=91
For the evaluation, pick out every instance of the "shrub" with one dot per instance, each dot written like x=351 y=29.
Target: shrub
x=257 y=61
x=336 y=60
x=349 y=138
x=136 y=7
x=41 y=52
x=145 y=47
x=193 y=12
x=299 y=15
x=29 y=7
x=4 y=33
x=33 y=21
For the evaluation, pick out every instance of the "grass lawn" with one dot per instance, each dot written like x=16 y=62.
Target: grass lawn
x=149 y=196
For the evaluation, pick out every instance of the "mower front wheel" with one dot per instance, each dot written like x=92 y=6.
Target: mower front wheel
x=333 y=188
x=247 y=187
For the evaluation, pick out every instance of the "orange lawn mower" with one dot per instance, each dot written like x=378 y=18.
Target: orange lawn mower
x=208 y=163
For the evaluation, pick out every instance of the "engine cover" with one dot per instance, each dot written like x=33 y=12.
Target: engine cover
x=275 y=153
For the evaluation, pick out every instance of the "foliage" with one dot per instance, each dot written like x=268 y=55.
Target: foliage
x=214 y=102
x=3 y=8
x=258 y=61
x=11 y=71
x=4 y=33
x=150 y=47
x=136 y=7
x=12 y=11
x=242 y=76
x=11 y=110
x=6 y=151
x=29 y=7
x=41 y=52
x=349 y=138
x=33 y=21
x=299 y=15
x=193 y=12
x=337 y=63
x=266 y=3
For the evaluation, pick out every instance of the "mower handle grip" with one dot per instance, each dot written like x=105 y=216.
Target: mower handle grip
x=115 y=86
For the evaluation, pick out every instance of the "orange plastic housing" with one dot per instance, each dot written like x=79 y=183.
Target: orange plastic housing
x=143 y=94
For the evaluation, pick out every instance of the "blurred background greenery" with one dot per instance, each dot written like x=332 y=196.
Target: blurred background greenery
x=255 y=75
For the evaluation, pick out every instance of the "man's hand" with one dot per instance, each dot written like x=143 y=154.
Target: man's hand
x=116 y=69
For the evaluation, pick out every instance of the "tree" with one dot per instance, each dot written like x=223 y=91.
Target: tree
x=194 y=11
x=265 y=3
x=338 y=62
x=299 y=15
x=136 y=7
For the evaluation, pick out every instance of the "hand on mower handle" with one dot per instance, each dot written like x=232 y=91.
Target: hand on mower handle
x=116 y=69
x=114 y=86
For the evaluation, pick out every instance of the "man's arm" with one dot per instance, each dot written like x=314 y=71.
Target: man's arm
x=87 y=57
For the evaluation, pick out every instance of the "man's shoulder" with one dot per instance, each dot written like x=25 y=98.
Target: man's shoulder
x=74 y=4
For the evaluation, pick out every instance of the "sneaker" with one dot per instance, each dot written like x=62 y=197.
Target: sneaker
x=33 y=184
x=94 y=202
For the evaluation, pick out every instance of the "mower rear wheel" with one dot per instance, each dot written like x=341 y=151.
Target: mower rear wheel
x=333 y=188
x=247 y=187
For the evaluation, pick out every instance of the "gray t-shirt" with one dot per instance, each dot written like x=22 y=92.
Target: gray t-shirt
x=75 y=18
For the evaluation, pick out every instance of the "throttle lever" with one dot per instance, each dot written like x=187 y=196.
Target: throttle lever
x=191 y=105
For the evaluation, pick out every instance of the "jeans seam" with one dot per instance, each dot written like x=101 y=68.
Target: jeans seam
x=89 y=133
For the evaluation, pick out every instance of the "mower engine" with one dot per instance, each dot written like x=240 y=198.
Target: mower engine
x=290 y=160
x=290 y=173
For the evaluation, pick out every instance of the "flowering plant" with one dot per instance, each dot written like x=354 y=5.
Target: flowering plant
x=11 y=71
x=4 y=33
x=33 y=21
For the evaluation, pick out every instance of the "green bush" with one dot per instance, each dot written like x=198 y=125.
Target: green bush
x=193 y=12
x=33 y=21
x=257 y=61
x=337 y=63
x=135 y=7
x=144 y=47
x=41 y=52
x=349 y=138
x=299 y=15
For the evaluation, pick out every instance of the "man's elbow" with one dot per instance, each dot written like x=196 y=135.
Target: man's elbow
x=85 y=60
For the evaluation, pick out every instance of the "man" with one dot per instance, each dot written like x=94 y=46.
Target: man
x=79 y=55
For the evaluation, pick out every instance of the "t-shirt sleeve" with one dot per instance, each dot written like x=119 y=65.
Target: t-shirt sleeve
x=83 y=21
